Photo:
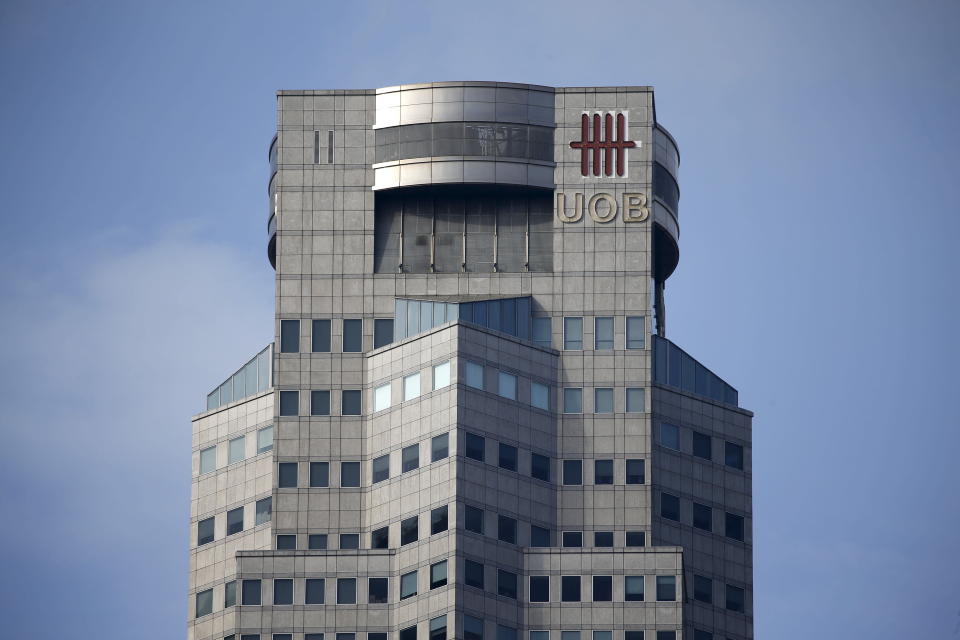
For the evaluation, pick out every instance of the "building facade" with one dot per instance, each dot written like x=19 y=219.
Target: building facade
x=471 y=423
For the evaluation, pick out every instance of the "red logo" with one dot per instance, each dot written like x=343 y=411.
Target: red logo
x=611 y=141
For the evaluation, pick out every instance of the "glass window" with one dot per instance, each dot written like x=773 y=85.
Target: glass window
x=438 y=520
x=702 y=517
x=287 y=475
x=670 y=436
x=319 y=474
x=380 y=538
x=506 y=584
x=410 y=633
x=474 y=446
x=572 y=539
x=572 y=472
x=282 y=591
x=409 y=530
x=603 y=538
x=441 y=375
x=539 y=635
x=346 y=591
x=572 y=400
x=670 y=507
x=506 y=633
x=320 y=402
x=286 y=541
x=573 y=333
x=350 y=402
x=265 y=439
x=411 y=387
x=438 y=574
x=540 y=396
x=734 y=598
x=507 y=457
x=313 y=636
x=381 y=397
x=408 y=585
x=602 y=591
x=321 y=336
x=473 y=574
x=205 y=531
x=507 y=385
x=474 y=375
x=507 y=529
x=542 y=330
x=635 y=472
x=234 y=521
x=411 y=457
x=636 y=400
x=352 y=336
x=238 y=450
x=264 y=511
x=703 y=589
x=701 y=446
x=540 y=467
x=733 y=455
x=472 y=628
x=382 y=332
x=633 y=588
x=439 y=447
x=377 y=589
x=570 y=588
x=208 y=460
x=603 y=472
x=349 y=474
x=381 y=468
x=635 y=332
x=438 y=628
x=602 y=635
x=603 y=333
x=539 y=588
x=666 y=588
x=734 y=526
x=289 y=336
x=636 y=539
x=204 y=602
x=666 y=635
x=539 y=537
x=317 y=541
x=314 y=589
x=700 y=634
x=473 y=519
x=289 y=403
x=349 y=540
x=250 y=592
x=603 y=400
x=230 y=594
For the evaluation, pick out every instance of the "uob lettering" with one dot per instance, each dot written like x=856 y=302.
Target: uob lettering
x=603 y=207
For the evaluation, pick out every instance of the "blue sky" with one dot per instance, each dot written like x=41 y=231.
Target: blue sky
x=818 y=272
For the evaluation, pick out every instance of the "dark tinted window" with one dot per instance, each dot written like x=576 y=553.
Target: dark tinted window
x=408 y=585
x=506 y=529
x=289 y=336
x=603 y=538
x=572 y=400
x=250 y=592
x=286 y=541
x=734 y=526
x=438 y=574
x=352 y=336
x=539 y=589
x=666 y=588
x=410 y=633
x=350 y=402
x=636 y=538
x=603 y=471
x=381 y=468
x=573 y=333
x=204 y=604
x=508 y=457
x=540 y=467
x=439 y=447
x=408 y=530
x=572 y=538
x=380 y=538
x=633 y=635
x=635 y=331
x=666 y=635
x=669 y=507
x=264 y=511
x=506 y=584
x=230 y=594
x=410 y=457
x=317 y=541
x=473 y=574
x=287 y=475
x=572 y=472
x=205 y=531
x=635 y=472
x=603 y=400
x=703 y=589
x=539 y=537
x=633 y=588
x=289 y=403
x=320 y=402
x=702 y=517
x=734 y=598
x=474 y=446
x=349 y=474
x=377 y=590
x=473 y=519
x=346 y=590
x=701 y=446
x=472 y=628
x=570 y=588
x=733 y=455
x=602 y=588
x=321 y=336
x=282 y=591
x=603 y=333
x=542 y=328
x=438 y=520
x=382 y=332
x=349 y=540
x=319 y=474
x=314 y=591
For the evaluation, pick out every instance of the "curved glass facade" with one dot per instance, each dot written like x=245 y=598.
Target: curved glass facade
x=666 y=188
x=484 y=139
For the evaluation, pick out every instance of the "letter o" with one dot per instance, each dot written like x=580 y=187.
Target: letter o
x=592 y=207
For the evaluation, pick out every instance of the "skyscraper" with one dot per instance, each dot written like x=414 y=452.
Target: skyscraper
x=471 y=423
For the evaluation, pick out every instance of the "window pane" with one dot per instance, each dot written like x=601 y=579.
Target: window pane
x=289 y=403
x=602 y=591
x=411 y=387
x=666 y=588
x=474 y=446
x=603 y=472
x=702 y=517
x=234 y=521
x=670 y=436
x=473 y=574
x=603 y=333
x=570 y=588
x=438 y=520
x=603 y=400
x=438 y=574
x=541 y=635
x=381 y=397
x=636 y=539
x=319 y=474
x=314 y=591
x=381 y=468
x=408 y=585
x=380 y=538
x=635 y=400
x=410 y=633
x=320 y=402
x=733 y=455
x=349 y=474
x=204 y=602
x=289 y=336
x=506 y=633
x=572 y=400
x=264 y=511
x=250 y=592
x=282 y=591
x=734 y=598
x=507 y=385
x=573 y=333
x=350 y=402
x=542 y=330
x=473 y=519
x=287 y=475
x=439 y=447
x=317 y=541
x=474 y=375
x=230 y=594
x=321 y=336
x=472 y=628
x=635 y=332
x=539 y=589
x=408 y=530
x=287 y=541
x=349 y=540
x=265 y=439
x=382 y=332
x=702 y=446
x=377 y=591
x=734 y=526
x=540 y=396
x=633 y=588
x=507 y=529
x=346 y=590
x=238 y=450
x=635 y=472
x=669 y=507
x=572 y=539
x=205 y=531
x=506 y=584
x=540 y=467
x=508 y=457
x=539 y=537
x=703 y=589
x=603 y=538
x=438 y=628
x=441 y=375
x=572 y=472
x=411 y=457
x=352 y=336
x=208 y=460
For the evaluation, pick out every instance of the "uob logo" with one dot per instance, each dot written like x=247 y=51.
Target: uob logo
x=609 y=144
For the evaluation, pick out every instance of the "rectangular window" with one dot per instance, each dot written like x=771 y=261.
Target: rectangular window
x=506 y=633
x=603 y=333
x=205 y=531
x=438 y=520
x=349 y=540
x=542 y=330
x=700 y=634
x=506 y=584
x=380 y=538
x=409 y=530
x=237 y=450
x=539 y=588
x=352 y=336
x=234 y=521
x=573 y=400
x=570 y=588
x=602 y=589
x=702 y=517
x=286 y=541
x=330 y=161
x=381 y=397
x=381 y=469
x=603 y=472
x=734 y=527
x=539 y=537
x=382 y=332
x=573 y=333
x=313 y=636
x=603 y=400
x=321 y=336
x=635 y=472
x=250 y=592
x=636 y=539
x=472 y=628
x=264 y=511
x=636 y=400
x=474 y=446
x=349 y=474
x=438 y=574
x=314 y=591
x=377 y=591
x=572 y=472
x=541 y=635
x=346 y=591
x=441 y=376
x=411 y=387
x=666 y=635
x=316 y=160
x=208 y=460
x=507 y=529
x=473 y=519
x=439 y=447
x=735 y=599
x=507 y=457
x=289 y=403
x=438 y=628
x=320 y=402
x=670 y=436
x=408 y=585
x=572 y=539
x=636 y=328
x=317 y=541
x=289 y=336
x=265 y=439
x=282 y=591
x=204 y=603
x=474 y=375
x=703 y=589
x=603 y=538
x=633 y=588
x=633 y=635
x=319 y=474
x=350 y=402
x=410 y=633
x=287 y=475
x=669 y=507
x=473 y=574
x=230 y=594
x=540 y=396
x=666 y=588
x=701 y=446
x=540 y=467
x=733 y=455
x=410 y=458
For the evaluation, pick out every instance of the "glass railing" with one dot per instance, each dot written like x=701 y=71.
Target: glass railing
x=674 y=367
x=250 y=379
x=509 y=315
